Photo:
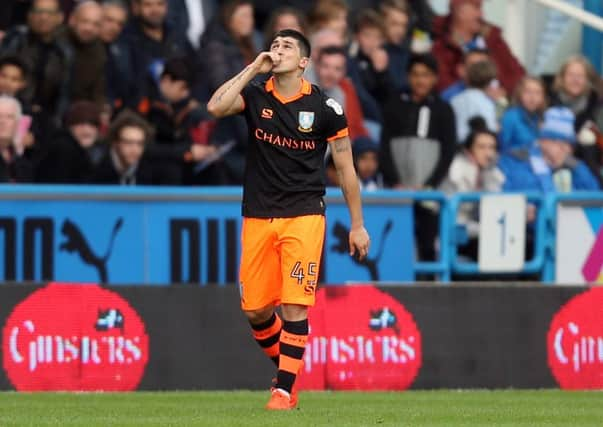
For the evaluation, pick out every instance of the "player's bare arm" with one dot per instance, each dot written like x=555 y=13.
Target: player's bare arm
x=227 y=99
x=359 y=240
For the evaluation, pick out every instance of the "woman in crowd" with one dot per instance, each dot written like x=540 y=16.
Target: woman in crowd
x=520 y=123
x=576 y=87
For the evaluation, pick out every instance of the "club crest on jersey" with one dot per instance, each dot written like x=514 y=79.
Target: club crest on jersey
x=305 y=120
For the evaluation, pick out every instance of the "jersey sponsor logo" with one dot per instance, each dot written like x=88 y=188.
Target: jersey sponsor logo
x=306 y=120
x=282 y=141
x=267 y=113
x=336 y=106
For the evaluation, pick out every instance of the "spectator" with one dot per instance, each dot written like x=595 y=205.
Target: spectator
x=474 y=101
x=576 y=87
x=48 y=56
x=330 y=14
x=264 y=10
x=229 y=43
x=13 y=77
x=464 y=29
x=89 y=58
x=73 y=152
x=152 y=41
x=191 y=17
x=370 y=108
x=418 y=143
x=474 y=169
x=331 y=71
x=175 y=116
x=285 y=17
x=15 y=167
x=227 y=46
x=366 y=160
x=551 y=165
x=396 y=19
x=370 y=57
x=471 y=57
x=119 y=76
x=520 y=123
x=124 y=162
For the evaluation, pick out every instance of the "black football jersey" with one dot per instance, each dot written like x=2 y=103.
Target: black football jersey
x=284 y=175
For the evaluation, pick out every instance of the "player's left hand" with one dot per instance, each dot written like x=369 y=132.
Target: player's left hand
x=359 y=242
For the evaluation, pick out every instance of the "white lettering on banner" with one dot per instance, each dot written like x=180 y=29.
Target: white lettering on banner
x=388 y=349
x=585 y=350
x=48 y=349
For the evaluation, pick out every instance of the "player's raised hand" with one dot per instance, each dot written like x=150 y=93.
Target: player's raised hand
x=265 y=61
x=359 y=242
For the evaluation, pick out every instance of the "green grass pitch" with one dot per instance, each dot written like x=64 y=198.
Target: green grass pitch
x=244 y=408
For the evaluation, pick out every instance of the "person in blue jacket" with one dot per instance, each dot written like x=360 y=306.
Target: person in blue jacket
x=550 y=165
x=520 y=123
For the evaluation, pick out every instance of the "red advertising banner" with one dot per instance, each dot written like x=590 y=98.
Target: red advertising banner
x=575 y=342
x=360 y=339
x=74 y=337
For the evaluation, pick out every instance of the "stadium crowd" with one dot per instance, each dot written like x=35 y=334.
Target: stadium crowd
x=114 y=92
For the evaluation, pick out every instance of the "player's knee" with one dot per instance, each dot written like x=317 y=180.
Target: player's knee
x=259 y=316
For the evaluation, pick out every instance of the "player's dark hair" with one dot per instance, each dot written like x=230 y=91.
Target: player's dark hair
x=302 y=41
x=15 y=61
x=332 y=50
x=178 y=69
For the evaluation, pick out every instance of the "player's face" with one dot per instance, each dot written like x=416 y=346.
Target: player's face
x=290 y=57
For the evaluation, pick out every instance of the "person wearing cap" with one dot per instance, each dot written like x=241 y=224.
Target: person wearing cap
x=366 y=161
x=464 y=29
x=418 y=143
x=71 y=153
x=549 y=166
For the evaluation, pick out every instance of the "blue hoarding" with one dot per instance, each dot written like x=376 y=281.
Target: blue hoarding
x=161 y=236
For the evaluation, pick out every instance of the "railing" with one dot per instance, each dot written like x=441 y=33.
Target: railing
x=532 y=266
x=196 y=231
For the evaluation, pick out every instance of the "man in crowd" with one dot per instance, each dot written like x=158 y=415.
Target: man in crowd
x=48 y=57
x=88 y=82
x=464 y=29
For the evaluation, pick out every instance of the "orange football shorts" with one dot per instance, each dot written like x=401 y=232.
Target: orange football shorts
x=280 y=260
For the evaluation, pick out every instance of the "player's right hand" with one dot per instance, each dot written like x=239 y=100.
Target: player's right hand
x=265 y=61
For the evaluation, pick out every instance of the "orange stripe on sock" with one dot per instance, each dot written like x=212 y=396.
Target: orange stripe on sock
x=289 y=364
x=274 y=350
x=270 y=331
x=294 y=340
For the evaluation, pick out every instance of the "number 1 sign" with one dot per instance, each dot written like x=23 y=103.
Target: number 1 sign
x=502 y=233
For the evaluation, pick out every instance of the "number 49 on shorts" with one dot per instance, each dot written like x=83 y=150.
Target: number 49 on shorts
x=297 y=272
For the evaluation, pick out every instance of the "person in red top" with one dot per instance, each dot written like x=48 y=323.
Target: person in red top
x=464 y=29
x=291 y=122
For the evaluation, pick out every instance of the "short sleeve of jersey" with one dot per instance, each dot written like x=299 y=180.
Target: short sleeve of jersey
x=336 y=125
